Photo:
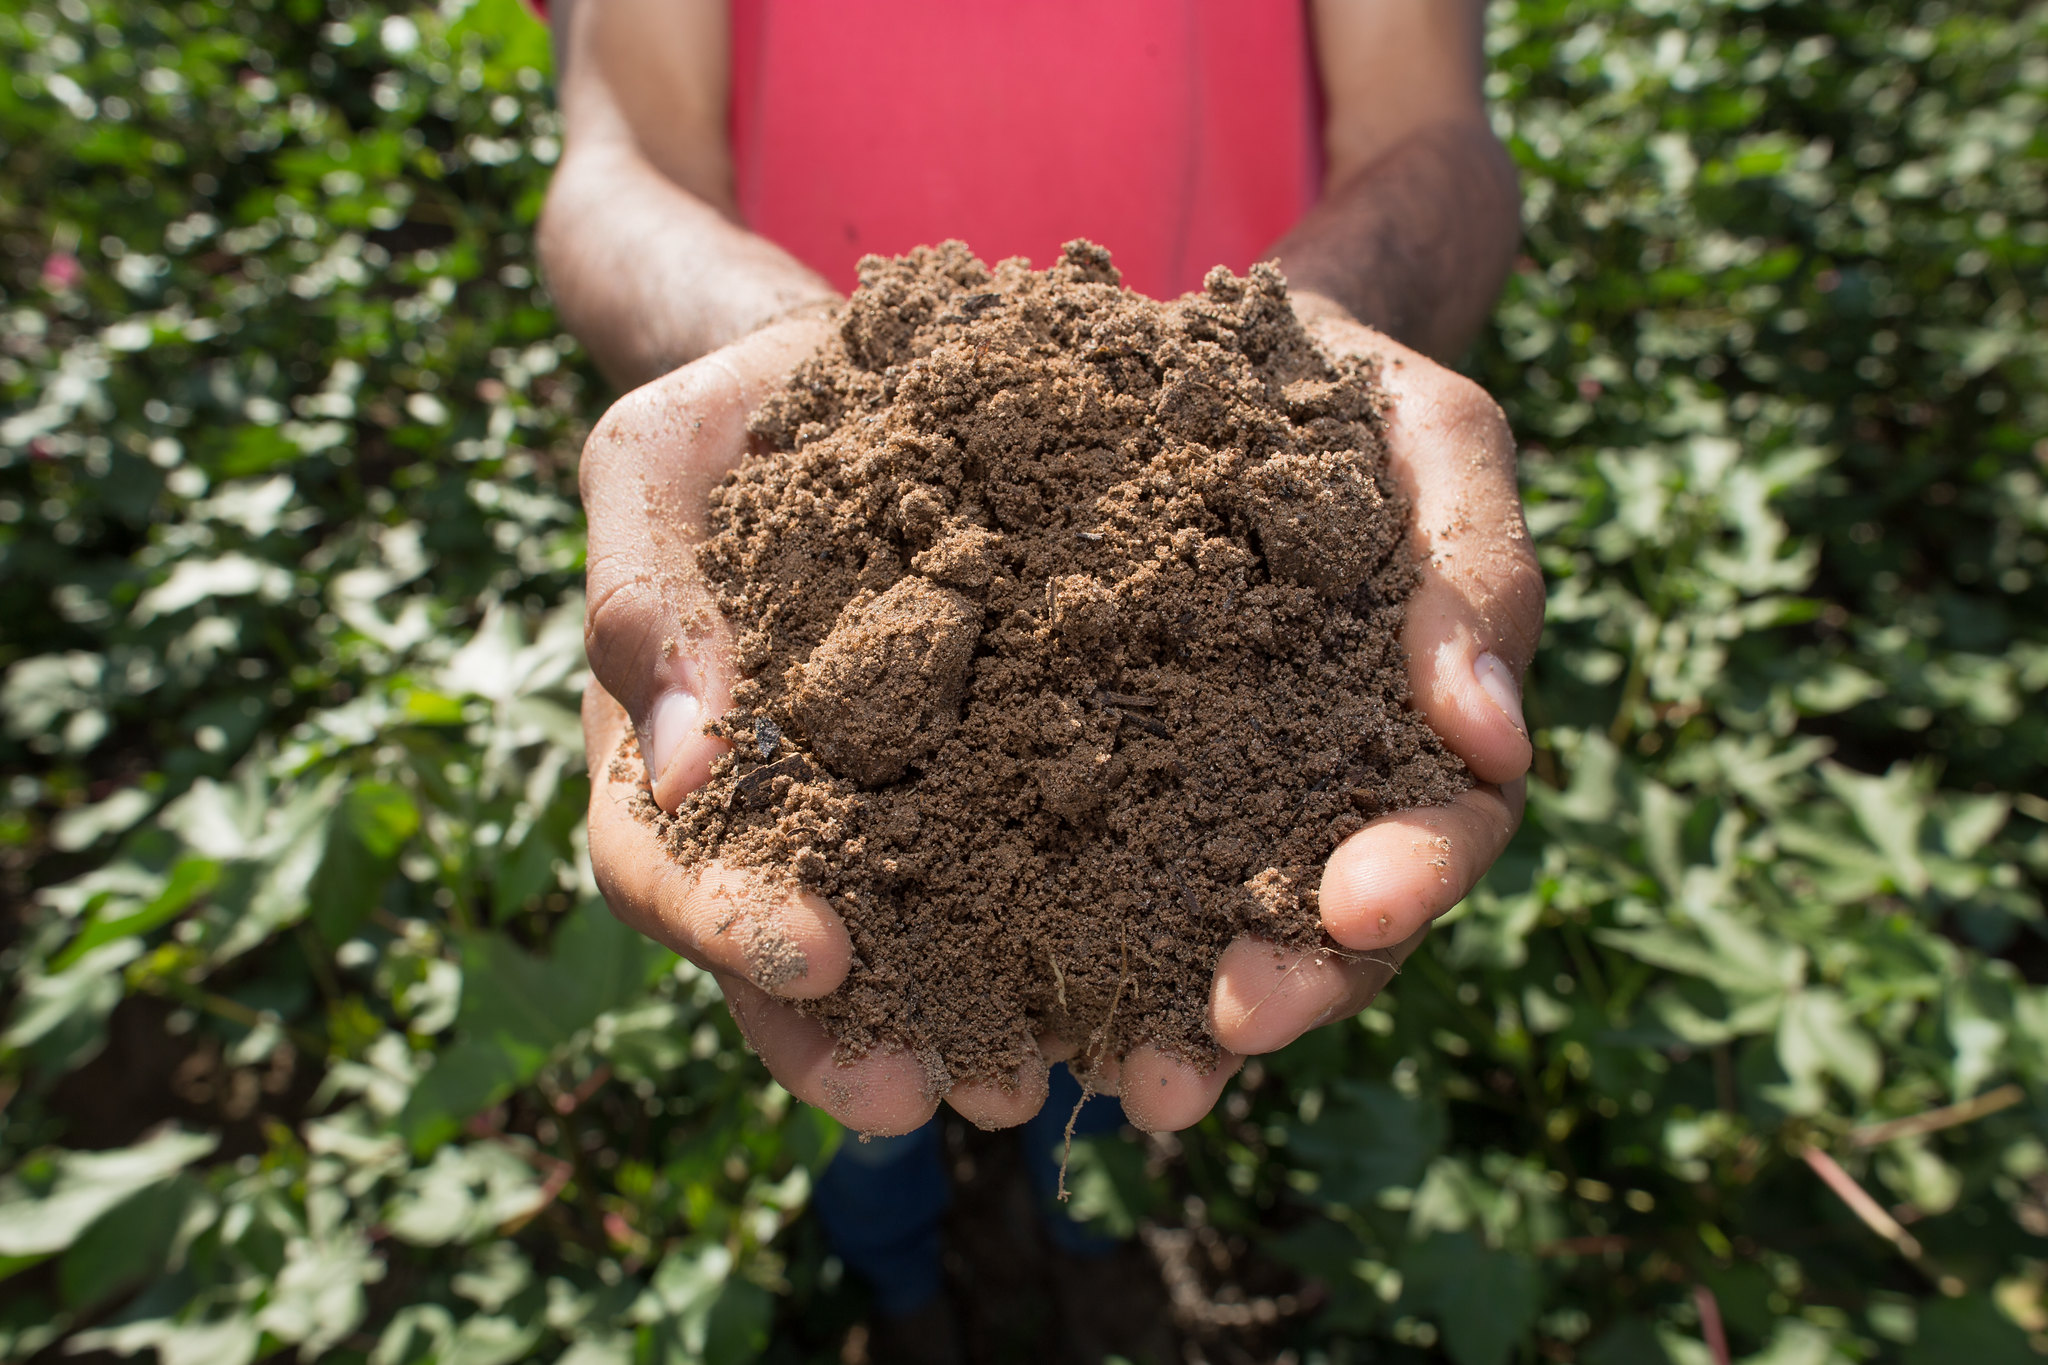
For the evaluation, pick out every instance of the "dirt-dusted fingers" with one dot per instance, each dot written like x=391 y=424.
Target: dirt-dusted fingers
x=1472 y=624
x=652 y=631
x=1163 y=1094
x=996 y=1104
x=1388 y=881
x=882 y=1094
x=1266 y=996
x=789 y=942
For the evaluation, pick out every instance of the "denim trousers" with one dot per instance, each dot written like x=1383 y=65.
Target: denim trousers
x=881 y=1201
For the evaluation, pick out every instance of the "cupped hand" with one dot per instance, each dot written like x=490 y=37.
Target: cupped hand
x=1470 y=633
x=659 y=652
x=660 y=658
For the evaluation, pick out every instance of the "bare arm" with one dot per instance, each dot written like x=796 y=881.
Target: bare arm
x=640 y=237
x=1420 y=212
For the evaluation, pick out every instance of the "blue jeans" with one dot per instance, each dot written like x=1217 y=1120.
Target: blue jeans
x=881 y=1200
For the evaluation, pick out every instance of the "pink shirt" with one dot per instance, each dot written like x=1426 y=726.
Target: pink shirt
x=1177 y=133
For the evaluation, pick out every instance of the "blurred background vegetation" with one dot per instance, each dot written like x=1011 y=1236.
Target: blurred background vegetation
x=319 y=1041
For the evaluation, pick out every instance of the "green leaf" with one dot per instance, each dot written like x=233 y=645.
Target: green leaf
x=611 y=1349
x=189 y=880
x=694 y=1302
x=1890 y=809
x=231 y=1341
x=292 y=847
x=467 y=1192
x=1484 y=1301
x=383 y=817
x=1969 y=1330
x=1107 y=1183
x=1978 y=1033
x=88 y=1184
x=736 y=1330
x=494 y=1277
x=363 y=844
x=529 y=872
x=1369 y=1137
x=62 y=1017
x=133 y=1241
x=317 y=1298
x=1817 y=1038
x=467 y=1077
x=1632 y=1341
x=87 y=825
x=491 y=1339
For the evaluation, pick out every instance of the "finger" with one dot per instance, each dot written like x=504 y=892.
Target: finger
x=1390 y=879
x=652 y=628
x=1104 y=1076
x=1006 y=1103
x=1472 y=624
x=788 y=941
x=1057 y=1048
x=1265 y=996
x=1163 y=1094
x=881 y=1094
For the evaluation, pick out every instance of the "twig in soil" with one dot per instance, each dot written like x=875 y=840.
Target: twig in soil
x=1934 y=1120
x=1147 y=724
x=1125 y=699
x=1878 y=1219
x=1059 y=979
x=1095 y=1040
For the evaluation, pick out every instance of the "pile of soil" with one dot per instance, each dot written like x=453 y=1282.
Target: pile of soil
x=1068 y=636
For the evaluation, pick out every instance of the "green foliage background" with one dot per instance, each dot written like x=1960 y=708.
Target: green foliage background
x=289 y=562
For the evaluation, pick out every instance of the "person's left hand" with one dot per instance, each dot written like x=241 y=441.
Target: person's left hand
x=1470 y=633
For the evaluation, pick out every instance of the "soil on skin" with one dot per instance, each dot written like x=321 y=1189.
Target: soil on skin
x=1068 y=636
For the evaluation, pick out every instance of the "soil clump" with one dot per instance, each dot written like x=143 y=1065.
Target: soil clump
x=1068 y=649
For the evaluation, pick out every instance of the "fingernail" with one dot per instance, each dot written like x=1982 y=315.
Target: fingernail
x=677 y=716
x=1497 y=682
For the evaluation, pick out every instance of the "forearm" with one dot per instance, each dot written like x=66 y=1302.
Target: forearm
x=1416 y=242
x=640 y=239
x=649 y=276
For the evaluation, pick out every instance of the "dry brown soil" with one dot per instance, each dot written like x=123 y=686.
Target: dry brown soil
x=1068 y=636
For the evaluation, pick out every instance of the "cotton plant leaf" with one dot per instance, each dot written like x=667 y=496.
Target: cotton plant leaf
x=1367 y=1138
x=225 y=1341
x=144 y=1235
x=86 y=1185
x=60 y=1016
x=1819 y=1040
x=1484 y=1300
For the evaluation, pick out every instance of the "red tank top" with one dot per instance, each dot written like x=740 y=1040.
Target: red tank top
x=1177 y=133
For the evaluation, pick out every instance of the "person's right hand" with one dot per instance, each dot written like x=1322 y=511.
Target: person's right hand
x=660 y=656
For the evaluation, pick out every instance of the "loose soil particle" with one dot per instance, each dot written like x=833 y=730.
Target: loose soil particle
x=1068 y=644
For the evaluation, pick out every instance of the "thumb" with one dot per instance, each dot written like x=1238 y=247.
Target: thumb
x=1473 y=621
x=653 y=632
